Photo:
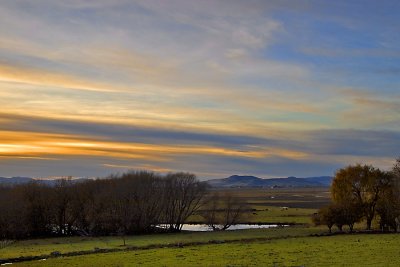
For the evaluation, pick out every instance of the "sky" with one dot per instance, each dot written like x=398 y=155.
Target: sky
x=266 y=88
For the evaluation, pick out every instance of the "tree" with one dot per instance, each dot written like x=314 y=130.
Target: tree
x=11 y=214
x=81 y=205
x=134 y=202
x=138 y=201
x=347 y=214
x=362 y=186
x=388 y=207
x=396 y=187
x=182 y=197
x=339 y=215
x=221 y=212
x=36 y=208
x=62 y=205
x=325 y=216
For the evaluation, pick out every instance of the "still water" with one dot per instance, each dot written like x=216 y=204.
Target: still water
x=206 y=228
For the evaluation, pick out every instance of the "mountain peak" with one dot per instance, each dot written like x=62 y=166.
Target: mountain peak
x=253 y=181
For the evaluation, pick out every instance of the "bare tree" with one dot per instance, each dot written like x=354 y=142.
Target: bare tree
x=35 y=200
x=221 y=212
x=182 y=197
x=80 y=206
x=134 y=202
x=10 y=214
x=138 y=204
x=62 y=205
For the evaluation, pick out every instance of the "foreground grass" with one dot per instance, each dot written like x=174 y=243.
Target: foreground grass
x=70 y=244
x=342 y=250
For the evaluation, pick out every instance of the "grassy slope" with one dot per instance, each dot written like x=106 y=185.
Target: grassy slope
x=46 y=246
x=343 y=250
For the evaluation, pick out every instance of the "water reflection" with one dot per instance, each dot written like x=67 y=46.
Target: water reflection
x=206 y=228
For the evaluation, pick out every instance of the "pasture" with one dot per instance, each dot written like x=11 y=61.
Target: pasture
x=341 y=250
x=278 y=205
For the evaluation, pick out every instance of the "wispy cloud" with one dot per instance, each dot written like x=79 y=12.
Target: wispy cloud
x=206 y=86
x=19 y=74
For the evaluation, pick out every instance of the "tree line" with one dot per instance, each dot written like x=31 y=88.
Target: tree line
x=131 y=203
x=363 y=193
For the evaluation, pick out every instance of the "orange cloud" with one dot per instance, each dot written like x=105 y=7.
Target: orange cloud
x=29 y=144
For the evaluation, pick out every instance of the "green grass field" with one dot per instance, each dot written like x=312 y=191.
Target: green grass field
x=343 y=250
x=271 y=215
x=69 y=244
x=266 y=204
x=310 y=198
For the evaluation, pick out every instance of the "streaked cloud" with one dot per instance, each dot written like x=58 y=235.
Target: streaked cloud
x=271 y=88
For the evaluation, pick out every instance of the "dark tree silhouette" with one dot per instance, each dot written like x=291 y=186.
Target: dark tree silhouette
x=362 y=186
x=131 y=203
x=182 y=197
x=222 y=211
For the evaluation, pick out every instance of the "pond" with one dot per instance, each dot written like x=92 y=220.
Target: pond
x=206 y=228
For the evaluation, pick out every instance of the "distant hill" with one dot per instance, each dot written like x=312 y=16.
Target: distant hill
x=232 y=181
x=15 y=180
x=24 y=180
x=252 y=181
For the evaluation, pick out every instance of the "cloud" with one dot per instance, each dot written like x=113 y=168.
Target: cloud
x=370 y=109
x=19 y=74
x=126 y=58
x=355 y=143
x=213 y=87
x=130 y=132
x=116 y=146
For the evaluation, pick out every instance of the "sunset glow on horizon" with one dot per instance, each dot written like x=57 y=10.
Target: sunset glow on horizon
x=265 y=88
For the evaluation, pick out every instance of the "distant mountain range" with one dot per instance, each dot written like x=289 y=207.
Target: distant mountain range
x=25 y=180
x=252 y=181
x=232 y=181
